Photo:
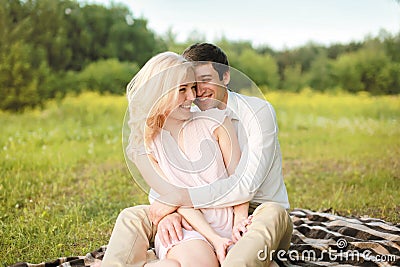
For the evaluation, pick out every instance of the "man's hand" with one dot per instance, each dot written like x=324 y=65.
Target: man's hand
x=169 y=229
x=159 y=210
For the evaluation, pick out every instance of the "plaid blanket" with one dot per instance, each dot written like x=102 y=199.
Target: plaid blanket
x=323 y=239
x=319 y=239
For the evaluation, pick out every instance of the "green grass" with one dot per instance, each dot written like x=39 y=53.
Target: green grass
x=64 y=178
x=341 y=152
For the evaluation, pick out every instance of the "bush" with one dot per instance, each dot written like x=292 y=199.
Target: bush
x=22 y=76
x=368 y=69
x=262 y=69
x=104 y=76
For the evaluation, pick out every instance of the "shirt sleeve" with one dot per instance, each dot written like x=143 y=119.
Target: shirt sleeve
x=253 y=168
x=153 y=195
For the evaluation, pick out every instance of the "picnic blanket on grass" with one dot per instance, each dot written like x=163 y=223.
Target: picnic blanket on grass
x=319 y=239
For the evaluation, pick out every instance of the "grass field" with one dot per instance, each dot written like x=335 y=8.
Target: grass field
x=64 y=178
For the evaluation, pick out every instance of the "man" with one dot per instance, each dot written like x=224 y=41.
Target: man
x=258 y=179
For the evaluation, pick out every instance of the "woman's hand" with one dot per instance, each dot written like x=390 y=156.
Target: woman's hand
x=221 y=246
x=240 y=228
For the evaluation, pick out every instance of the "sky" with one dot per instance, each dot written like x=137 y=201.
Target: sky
x=279 y=24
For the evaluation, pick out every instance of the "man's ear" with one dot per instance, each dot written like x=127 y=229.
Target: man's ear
x=226 y=78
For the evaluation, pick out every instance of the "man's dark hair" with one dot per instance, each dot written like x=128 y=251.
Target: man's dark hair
x=208 y=52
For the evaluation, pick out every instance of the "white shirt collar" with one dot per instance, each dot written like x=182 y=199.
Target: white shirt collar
x=232 y=105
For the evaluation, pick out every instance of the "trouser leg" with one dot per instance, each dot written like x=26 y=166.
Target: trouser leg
x=130 y=239
x=271 y=229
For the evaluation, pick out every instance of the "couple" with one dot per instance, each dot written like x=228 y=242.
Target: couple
x=224 y=160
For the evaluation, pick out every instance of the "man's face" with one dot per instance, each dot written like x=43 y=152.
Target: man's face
x=211 y=91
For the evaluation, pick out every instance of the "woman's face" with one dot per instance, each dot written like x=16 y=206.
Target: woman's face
x=183 y=102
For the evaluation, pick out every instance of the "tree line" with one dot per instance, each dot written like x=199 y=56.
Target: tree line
x=49 y=48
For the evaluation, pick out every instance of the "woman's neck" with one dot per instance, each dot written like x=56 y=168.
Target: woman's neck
x=173 y=125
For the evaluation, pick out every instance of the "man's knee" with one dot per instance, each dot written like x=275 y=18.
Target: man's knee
x=134 y=213
x=271 y=210
x=136 y=220
x=273 y=216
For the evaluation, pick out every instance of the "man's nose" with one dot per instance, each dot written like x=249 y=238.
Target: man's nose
x=200 y=88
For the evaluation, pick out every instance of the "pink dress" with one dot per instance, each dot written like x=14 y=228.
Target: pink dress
x=199 y=163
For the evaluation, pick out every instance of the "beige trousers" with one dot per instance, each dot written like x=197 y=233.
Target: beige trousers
x=130 y=239
x=271 y=229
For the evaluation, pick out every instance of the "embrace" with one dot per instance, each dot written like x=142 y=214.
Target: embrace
x=213 y=161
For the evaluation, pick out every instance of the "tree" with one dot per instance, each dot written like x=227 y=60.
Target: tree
x=320 y=74
x=293 y=79
x=262 y=69
x=23 y=69
x=48 y=32
x=368 y=69
x=108 y=75
x=21 y=77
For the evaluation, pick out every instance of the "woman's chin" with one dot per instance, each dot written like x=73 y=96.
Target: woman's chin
x=181 y=114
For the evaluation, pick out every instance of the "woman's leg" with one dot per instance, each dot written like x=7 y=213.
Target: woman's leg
x=194 y=253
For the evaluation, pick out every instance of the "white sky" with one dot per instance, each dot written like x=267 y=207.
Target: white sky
x=276 y=23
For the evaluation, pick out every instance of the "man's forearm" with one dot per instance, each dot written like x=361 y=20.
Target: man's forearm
x=159 y=210
x=166 y=192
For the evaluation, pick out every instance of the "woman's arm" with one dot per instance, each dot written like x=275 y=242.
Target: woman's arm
x=229 y=145
x=230 y=149
x=259 y=160
x=199 y=223
x=241 y=212
x=241 y=220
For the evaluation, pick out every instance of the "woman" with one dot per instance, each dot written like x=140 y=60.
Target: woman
x=187 y=149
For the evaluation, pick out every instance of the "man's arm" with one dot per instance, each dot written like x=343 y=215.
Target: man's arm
x=162 y=204
x=255 y=163
x=170 y=228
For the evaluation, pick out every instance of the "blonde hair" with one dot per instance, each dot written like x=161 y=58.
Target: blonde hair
x=149 y=100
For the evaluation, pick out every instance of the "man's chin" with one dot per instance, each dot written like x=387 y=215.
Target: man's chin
x=206 y=104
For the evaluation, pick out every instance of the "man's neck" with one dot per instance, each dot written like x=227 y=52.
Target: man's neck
x=222 y=105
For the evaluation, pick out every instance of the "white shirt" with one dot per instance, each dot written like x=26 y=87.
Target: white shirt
x=258 y=177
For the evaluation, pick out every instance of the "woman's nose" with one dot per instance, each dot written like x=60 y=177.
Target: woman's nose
x=191 y=94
